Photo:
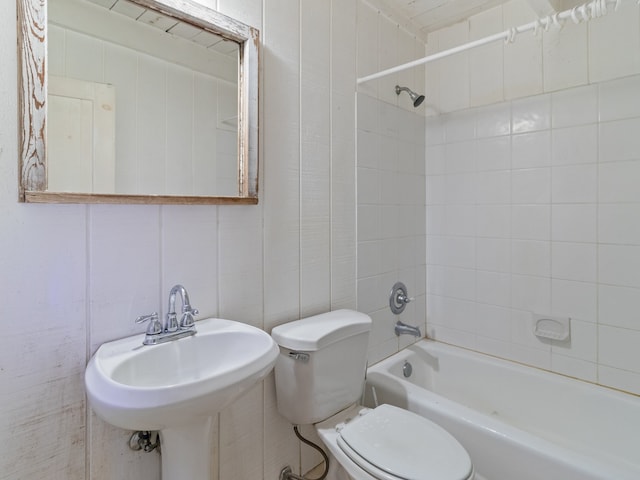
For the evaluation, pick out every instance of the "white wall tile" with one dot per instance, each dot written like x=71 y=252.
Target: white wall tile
x=618 y=378
x=617 y=347
x=491 y=221
x=493 y=153
x=619 y=99
x=435 y=160
x=574 y=145
x=619 y=140
x=460 y=157
x=583 y=343
x=493 y=254
x=531 y=150
x=574 y=223
x=522 y=336
x=435 y=189
x=460 y=188
x=577 y=300
x=571 y=154
x=460 y=220
x=574 y=261
x=575 y=106
x=574 y=184
x=493 y=288
x=493 y=321
x=493 y=120
x=617 y=182
x=618 y=306
x=574 y=367
x=460 y=126
x=531 y=114
x=565 y=57
x=530 y=294
x=368 y=222
x=532 y=185
x=609 y=41
x=392 y=199
x=493 y=186
x=616 y=225
x=457 y=251
x=531 y=257
x=531 y=222
x=619 y=265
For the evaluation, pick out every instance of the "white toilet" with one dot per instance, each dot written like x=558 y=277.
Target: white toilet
x=320 y=376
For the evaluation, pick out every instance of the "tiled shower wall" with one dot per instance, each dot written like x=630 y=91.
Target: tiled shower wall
x=532 y=202
x=534 y=206
x=391 y=213
x=390 y=180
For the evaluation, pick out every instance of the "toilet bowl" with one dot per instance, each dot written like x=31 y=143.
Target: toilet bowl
x=320 y=375
x=389 y=443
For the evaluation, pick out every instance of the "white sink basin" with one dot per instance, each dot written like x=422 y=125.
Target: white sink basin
x=180 y=382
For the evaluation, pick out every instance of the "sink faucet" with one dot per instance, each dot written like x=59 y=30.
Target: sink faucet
x=171 y=329
x=187 y=320
x=404 y=329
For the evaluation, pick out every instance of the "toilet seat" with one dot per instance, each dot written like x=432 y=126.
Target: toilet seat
x=390 y=443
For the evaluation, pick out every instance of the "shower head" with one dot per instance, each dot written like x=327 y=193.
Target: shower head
x=415 y=98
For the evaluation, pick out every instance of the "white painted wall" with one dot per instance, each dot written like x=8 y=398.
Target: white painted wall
x=74 y=276
x=532 y=204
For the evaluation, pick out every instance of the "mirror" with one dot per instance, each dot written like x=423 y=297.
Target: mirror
x=136 y=101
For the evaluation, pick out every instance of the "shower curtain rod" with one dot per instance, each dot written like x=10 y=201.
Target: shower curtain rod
x=579 y=14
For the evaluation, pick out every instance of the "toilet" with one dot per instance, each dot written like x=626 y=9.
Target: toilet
x=320 y=375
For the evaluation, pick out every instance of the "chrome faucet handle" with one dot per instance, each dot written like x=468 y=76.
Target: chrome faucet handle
x=187 y=320
x=155 y=327
x=172 y=322
x=404 y=298
x=399 y=298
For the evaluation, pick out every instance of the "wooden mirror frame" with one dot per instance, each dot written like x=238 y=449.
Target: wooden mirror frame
x=32 y=108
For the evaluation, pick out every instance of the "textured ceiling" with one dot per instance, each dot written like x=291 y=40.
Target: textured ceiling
x=424 y=16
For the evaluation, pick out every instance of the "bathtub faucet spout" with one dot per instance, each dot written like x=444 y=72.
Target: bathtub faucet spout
x=404 y=329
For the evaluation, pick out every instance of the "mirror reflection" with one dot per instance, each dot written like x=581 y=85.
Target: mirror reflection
x=139 y=102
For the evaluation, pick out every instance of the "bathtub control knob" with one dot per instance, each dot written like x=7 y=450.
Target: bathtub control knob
x=398 y=298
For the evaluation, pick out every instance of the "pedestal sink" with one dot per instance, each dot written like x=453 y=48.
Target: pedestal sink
x=178 y=386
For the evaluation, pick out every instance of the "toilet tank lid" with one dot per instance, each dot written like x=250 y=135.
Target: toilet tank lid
x=313 y=333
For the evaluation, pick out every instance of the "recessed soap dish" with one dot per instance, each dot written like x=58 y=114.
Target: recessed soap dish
x=555 y=328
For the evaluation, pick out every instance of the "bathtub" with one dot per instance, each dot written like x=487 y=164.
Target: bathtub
x=516 y=422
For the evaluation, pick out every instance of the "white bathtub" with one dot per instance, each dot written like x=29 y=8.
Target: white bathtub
x=516 y=422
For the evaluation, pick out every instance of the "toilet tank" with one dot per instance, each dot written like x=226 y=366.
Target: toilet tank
x=321 y=366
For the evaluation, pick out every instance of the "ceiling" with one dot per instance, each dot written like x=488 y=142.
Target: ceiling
x=424 y=16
